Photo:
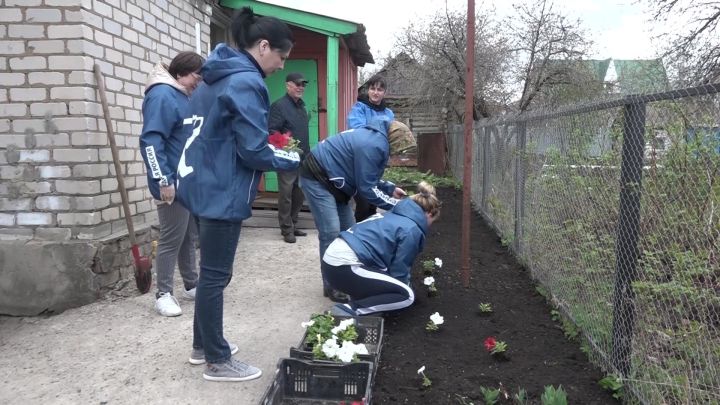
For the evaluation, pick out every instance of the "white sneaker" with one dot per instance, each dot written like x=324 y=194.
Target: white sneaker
x=167 y=305
x=189 y=294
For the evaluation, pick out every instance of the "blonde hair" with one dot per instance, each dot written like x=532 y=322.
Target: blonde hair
x=426 y=198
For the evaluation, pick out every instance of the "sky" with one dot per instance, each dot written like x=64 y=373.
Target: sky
x=620 y=29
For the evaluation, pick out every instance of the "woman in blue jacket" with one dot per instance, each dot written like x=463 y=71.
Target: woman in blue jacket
x=224 y=156
x=167 y=93
x=368 y=107
x=340 y=167
x=371 y=261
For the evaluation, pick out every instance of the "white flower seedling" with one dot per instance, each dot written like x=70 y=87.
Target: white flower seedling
x=347 y=352
x=342 y=326
x=437 y=319
x=330 y=348
x=438 y=262
x=426 y=381
x=307 y=324
x=430 y=283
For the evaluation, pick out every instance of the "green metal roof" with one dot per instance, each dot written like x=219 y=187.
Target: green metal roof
x=353 y=33
x=640 y=75
x=310 y=21
x=599 y=67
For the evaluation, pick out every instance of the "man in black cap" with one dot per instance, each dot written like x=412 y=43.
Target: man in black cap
x=288 y=114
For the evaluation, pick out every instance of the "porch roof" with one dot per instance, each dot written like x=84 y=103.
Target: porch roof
x=352 y=33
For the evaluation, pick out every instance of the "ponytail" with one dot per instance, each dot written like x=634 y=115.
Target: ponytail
x=427 y=199
x=247 y=29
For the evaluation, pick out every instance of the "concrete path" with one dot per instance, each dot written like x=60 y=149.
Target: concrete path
x=119 y=351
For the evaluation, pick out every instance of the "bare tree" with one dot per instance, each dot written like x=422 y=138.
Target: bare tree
x=548 y=50
x=527 y=57
x=694 y=49
x=437 y=45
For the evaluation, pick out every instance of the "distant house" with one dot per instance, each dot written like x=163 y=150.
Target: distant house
x=632 y=76
x=415 y=110
x=612 y=78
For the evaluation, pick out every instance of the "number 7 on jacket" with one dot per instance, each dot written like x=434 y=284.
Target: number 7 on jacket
x=183 y=168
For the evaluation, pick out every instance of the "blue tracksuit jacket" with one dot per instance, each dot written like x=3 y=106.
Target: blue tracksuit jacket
x=361 y=113
x=355 y=161
x=226 y=150
x=390 y=241
x=161 y=140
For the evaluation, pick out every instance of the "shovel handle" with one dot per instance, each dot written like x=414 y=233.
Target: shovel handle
x=116 y=159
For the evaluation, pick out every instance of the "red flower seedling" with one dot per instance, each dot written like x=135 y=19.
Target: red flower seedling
x=494 y=346
x=279 y=140
x=490 y=344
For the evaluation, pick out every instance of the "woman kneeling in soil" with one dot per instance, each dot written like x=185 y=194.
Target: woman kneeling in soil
x=371 y=261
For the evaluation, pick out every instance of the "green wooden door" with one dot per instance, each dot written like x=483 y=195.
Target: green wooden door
x=276 y=87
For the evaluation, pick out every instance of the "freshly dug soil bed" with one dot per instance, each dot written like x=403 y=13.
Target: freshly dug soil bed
x=454 y=356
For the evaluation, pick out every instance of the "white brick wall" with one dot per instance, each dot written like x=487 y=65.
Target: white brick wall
x=54 y=158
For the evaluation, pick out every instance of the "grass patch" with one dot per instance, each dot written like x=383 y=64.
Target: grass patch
x=403 y=176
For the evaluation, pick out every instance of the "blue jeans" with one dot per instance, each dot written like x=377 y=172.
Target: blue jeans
x=218 y=242
x=330 y=216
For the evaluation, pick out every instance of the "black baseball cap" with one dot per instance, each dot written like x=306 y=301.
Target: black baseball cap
x=295 y=77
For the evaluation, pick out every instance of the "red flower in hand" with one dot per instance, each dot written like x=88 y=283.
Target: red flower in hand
x=279 y=140
x=490 y=343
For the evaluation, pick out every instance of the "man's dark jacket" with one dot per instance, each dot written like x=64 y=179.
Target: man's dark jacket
x=287 y=115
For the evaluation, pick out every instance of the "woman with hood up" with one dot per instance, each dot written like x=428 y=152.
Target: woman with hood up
x=167 y=94
x=371 y=261
x=225 y=154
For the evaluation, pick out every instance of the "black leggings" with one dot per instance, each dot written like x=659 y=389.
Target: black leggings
x=370 y=291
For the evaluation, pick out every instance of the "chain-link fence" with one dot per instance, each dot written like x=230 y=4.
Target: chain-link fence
x=615 y=209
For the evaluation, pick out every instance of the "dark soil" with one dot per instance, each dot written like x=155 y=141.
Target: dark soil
x=454 y=356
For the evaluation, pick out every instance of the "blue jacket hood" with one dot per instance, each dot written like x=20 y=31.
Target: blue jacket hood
x=224 y=61
x=410 y=209
x=390 y=242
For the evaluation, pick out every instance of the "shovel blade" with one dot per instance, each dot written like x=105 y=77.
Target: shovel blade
x=143 y=274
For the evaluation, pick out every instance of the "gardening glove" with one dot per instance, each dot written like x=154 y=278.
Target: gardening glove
x=167 y=194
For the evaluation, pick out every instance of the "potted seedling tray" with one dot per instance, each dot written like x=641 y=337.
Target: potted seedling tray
x=370 y=332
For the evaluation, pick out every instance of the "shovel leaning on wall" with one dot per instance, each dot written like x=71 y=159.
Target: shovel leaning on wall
x=143 y=264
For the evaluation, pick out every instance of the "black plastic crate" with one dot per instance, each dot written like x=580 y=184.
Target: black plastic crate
x=301 y=382
x=369 y=330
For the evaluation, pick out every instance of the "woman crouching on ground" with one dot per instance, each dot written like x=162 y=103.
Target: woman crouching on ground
x=371 y=262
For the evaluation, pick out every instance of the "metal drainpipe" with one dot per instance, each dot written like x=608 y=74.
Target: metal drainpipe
x=467 y=158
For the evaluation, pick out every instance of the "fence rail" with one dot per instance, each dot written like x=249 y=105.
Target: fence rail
x=614 y=207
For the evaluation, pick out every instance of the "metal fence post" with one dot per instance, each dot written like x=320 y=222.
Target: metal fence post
x=626 y=250
x=521 y=128
x=487 y=133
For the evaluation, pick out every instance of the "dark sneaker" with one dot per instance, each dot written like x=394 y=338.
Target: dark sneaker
x=342 y=310
x=338 y=296
x=298 y=232
x=197 y=356
x=289 y=238
x=335 y=295
x=231 y=370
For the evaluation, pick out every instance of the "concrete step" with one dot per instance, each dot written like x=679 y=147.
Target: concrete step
x=264 y=213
